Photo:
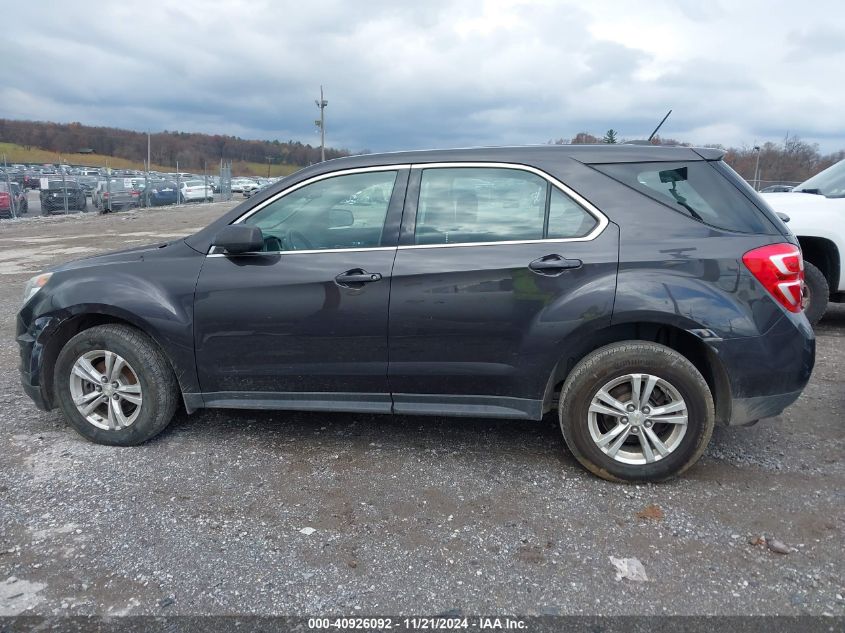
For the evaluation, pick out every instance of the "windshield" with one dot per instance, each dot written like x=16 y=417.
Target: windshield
x=829 y=183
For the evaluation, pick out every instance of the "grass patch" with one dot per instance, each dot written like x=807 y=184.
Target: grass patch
x=20 y=154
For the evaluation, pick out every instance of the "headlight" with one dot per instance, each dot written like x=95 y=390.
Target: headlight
x=34 y=285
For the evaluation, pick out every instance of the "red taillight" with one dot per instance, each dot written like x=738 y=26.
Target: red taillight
x=780 y=268
x=136 y=193
x=105 y=194
x=5 y=200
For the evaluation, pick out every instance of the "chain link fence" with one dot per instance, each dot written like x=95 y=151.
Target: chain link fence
x=66 y=189
x=63 y=189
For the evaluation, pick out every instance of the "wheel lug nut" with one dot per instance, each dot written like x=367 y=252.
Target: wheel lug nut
x=115 y=397
x=630 y=408
x=115 y=385
x=624 y=420
x=648 y=425
x=104 y=380
x=635 y=430
x=646 y=410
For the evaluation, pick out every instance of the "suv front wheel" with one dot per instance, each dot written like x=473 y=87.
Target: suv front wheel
x=115 y=386
x=636 y=411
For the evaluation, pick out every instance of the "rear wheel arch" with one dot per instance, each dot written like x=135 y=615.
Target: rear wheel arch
x=685 y=343
x=824 y=255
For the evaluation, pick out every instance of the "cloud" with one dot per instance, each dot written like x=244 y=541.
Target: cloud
x=433 y=74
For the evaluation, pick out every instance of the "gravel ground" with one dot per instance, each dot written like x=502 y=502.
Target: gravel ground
x=409 y=515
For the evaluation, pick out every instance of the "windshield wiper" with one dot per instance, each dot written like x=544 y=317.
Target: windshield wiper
x=683 y=202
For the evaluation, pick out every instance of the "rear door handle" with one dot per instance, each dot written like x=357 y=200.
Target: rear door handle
x=356 y=276
x=553 y=264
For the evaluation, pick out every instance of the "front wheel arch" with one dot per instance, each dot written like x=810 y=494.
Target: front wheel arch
x=70 y=327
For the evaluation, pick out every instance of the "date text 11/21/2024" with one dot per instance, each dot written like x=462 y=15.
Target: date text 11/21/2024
x=417 y=624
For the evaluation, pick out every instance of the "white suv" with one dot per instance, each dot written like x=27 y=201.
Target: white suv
x=816 y=210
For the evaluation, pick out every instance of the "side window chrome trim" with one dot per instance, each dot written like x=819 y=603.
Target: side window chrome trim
x=308 y=181
x=601 y=219
x=590 y=208
x=313 y=179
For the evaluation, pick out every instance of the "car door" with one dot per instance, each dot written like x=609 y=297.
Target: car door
x=303 y=324
x=499 y=269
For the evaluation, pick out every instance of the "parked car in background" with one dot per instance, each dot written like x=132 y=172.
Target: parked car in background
x=195 y=191
x=159 y=193
x=777 y=189
x=115 y=195
x=19 y=194
x=53 y=198
x=241 y=185
x=31 y=179
x=248 y=193
x=12 y=200
x=816 y=209
x=643 y=293
x=88 y=183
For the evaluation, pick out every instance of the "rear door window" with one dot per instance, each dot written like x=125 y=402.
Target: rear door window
x=695 y=189
x=464 y=205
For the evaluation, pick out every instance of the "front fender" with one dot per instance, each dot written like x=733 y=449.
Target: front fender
x=150 y=290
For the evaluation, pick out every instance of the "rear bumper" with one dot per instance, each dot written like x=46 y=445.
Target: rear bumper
x=767 y=373
x=747 y=411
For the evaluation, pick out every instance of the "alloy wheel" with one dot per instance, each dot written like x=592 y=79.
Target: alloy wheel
x=637 y=419
x=106 y=390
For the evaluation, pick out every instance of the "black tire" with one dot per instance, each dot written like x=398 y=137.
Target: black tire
x=159 y=389
x=817 y=293
x=629 y=357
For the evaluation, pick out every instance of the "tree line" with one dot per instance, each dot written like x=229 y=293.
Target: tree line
x=791 y=161
x=191 y=150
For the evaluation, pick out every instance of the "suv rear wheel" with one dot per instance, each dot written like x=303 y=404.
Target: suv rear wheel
x=816 y=293
x=115 y=386
x=636 y=411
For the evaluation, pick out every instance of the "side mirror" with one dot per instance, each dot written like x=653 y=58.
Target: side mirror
x=237 y=239
x=783 y=217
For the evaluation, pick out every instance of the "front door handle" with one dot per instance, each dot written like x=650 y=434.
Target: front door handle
x=356 y=276
x=553 y=264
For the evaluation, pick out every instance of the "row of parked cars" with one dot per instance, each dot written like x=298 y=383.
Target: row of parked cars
x=65 y=187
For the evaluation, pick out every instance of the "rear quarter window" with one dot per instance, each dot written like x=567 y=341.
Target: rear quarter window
x=695 y=189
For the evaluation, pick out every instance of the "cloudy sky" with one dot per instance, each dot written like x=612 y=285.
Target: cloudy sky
x=431 y=73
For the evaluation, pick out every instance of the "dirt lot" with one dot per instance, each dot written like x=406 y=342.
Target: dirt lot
x=410 y=515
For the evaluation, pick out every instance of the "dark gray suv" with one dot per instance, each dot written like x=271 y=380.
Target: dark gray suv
x=643 y=294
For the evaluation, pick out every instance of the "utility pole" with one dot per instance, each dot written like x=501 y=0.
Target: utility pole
x=322 y=103
x=269 y=160
x=757 y=169
x=148 y=151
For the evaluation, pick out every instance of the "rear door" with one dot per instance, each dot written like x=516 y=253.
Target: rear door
x=499 y=268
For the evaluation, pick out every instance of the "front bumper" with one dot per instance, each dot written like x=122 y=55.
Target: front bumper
x=31 y=353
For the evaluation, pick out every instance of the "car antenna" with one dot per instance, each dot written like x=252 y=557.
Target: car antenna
x=659 y=125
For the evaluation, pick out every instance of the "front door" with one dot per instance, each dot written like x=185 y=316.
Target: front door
x=303 y=324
